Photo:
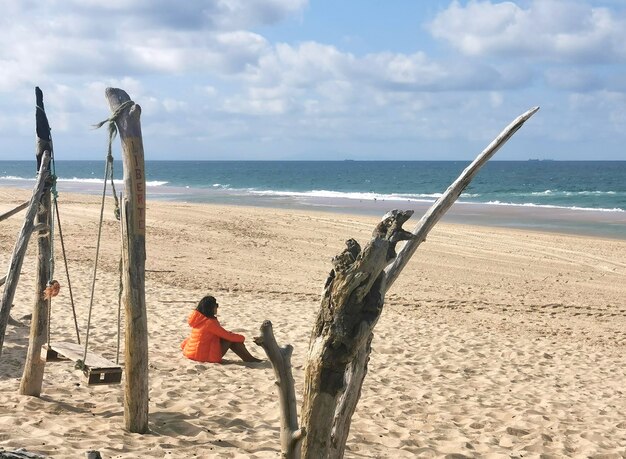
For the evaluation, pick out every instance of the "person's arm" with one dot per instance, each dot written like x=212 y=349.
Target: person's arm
x=214 y=327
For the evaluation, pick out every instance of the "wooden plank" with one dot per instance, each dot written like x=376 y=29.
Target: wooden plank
x=75 y=352
x=97 y=369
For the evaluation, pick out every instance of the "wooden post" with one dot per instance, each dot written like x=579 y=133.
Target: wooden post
x=32 y=377
x=134 y=206
x=15 y=267
x=351 y=306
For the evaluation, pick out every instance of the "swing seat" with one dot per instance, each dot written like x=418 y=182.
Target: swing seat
x=97 y=369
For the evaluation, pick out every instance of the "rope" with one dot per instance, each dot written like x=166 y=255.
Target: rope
x=108 y=172
x=53 y=286
x=51 y=290
x=95 y=265
x=112 y=120
x=67 y=271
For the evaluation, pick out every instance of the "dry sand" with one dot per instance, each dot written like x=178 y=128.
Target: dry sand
x=493 y=342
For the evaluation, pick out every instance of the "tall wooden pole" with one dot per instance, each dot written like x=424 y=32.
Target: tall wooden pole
x=17 y=258
x=134 y=211
x=32 y=378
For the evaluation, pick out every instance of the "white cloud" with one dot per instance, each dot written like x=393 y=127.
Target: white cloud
x=209 y=74
x=573 y=79
x=563 y=30
x=133 y=37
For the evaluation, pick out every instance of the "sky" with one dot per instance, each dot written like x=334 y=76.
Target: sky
x=319 y=79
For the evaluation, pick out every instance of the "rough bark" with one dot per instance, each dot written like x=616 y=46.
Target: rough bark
x=280 y=358
x=340 y=342
x=136 y=330
x=15 y=266
x=354 y=377
x=32 y=377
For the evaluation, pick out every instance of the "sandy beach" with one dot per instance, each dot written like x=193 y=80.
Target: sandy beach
x=494 y=342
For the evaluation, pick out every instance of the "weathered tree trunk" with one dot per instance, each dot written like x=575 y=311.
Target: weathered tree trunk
x=351 y=305
x=280 y=358
x=136 y=331
x=15 y=267
x=32 y=377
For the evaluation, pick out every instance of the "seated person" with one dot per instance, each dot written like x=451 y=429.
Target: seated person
x=209 y=341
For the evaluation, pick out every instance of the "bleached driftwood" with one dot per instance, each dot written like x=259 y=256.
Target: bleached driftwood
x=136 y=385
x=351 y=305
x=15 y=267
x=19 y=453
x=12 y=212
x=340 y=342
x=441 y=206
x=280 y=358
x=32 y=376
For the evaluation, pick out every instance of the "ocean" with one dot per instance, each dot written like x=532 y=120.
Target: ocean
x=581 y=197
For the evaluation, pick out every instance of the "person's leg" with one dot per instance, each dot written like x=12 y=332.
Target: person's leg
x=225 y=345
x=241 y=350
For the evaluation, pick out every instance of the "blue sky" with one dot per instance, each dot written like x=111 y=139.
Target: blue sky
x=319 y=79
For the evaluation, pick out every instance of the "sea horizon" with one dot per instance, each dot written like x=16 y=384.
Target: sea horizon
x=575 y=197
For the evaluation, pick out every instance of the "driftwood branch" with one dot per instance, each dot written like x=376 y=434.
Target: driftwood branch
x=12 y=212
x=34 y=366
x=352 y=302
x=15 y=267
x=19 y=453
x=441 y=206
x=290 y=435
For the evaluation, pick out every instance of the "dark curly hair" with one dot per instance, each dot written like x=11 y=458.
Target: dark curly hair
x=206 y=306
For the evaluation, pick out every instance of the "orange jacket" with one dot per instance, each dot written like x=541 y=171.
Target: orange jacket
x=204 y=343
